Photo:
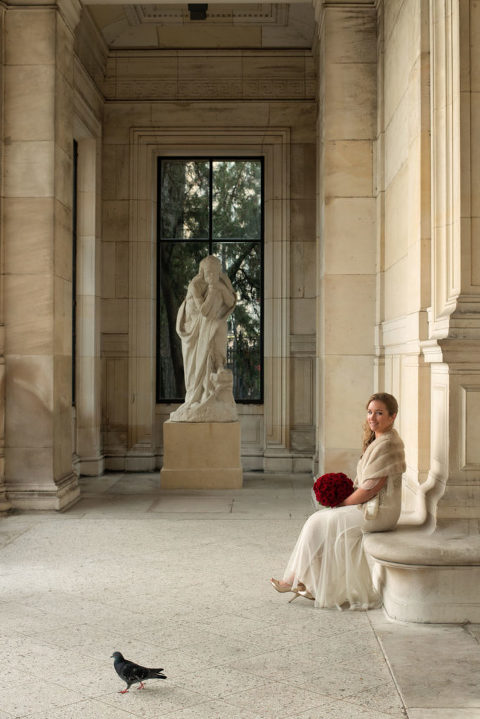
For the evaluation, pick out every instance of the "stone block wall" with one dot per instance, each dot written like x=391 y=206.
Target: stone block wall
x=346 y=230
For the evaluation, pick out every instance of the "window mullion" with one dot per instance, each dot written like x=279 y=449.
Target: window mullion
x=210 y=210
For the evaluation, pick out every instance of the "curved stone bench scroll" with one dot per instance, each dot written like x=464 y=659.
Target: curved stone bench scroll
x=428 y=577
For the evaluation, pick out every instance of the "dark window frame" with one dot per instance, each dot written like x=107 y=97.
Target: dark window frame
x=211 y=159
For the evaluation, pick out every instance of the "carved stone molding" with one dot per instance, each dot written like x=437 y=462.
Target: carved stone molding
x=146 y=145
x=212 y=75
x=264 y=14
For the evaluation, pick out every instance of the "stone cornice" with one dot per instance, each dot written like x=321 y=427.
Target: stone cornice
x=345 y=4
x=69 y=9
x=177 y=75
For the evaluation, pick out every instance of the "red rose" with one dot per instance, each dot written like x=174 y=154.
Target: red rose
x=332 y=489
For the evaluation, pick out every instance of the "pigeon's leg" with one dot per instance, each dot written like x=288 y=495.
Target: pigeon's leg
x=142 y=686
x=123 y=691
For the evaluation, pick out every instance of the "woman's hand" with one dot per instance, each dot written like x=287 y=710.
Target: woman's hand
x=360 y=496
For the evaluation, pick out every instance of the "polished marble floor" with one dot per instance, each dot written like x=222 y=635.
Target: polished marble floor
x=180 y=580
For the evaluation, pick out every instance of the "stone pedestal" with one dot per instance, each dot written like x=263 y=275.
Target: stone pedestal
x=201 y=455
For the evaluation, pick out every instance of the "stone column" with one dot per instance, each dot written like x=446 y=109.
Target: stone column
x=453 y=487
x=4 y=503
x=88 y=374
x=37 y=222
x=346 y=238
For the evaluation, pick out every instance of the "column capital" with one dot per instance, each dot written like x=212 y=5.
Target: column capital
x=455 y=353
x=321 y=6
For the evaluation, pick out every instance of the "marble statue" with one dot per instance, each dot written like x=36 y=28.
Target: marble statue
x=202 y=327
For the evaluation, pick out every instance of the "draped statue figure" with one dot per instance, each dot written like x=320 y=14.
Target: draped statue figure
x=202 y=327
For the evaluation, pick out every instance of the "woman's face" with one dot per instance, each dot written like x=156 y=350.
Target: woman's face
x=378 y=418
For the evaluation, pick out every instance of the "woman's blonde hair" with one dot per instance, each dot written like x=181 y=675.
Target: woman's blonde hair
x=392 y=407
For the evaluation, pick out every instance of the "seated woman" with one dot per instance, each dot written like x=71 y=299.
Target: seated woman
x=328 y=564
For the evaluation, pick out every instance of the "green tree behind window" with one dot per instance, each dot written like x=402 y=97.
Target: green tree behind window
x=211 y=207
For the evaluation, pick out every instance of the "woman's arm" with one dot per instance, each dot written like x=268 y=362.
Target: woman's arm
x=360 y=496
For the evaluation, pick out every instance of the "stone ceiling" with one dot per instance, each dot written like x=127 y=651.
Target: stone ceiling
x=246 y=25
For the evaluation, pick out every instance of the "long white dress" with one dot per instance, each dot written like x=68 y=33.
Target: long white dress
x=328 y=556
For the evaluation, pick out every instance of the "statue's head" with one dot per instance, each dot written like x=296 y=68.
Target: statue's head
x=211 y=268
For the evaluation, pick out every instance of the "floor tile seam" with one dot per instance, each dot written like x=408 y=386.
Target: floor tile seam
x=160 y=713
x=241 y=672
x=221 y=697
x=71 y=704
x=390 y=667
x=185 y=647
x=267 y=676
x=450 y=708
x=268 y=716
x=358 y=655
x=267 y=653
x=41 y=678
x=345 y=697
x=174 y=713
x=472 y=635
x=169 y=684
x=366 y=714
x=62 y=705
x=228 y=664
x=11 y=540
x=40 y=638
x=293 y=683
x=283 y=646
x=300 y=644
x=367 y=707
x=241 y=636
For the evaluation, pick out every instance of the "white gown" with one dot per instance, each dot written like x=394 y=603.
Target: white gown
x=328 y=557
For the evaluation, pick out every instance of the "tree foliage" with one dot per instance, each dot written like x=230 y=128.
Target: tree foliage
x=227 y=224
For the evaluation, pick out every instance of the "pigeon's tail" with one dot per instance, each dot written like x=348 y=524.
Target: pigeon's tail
x=156 y=674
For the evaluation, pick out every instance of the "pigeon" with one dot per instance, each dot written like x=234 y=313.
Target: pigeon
x=133 y=673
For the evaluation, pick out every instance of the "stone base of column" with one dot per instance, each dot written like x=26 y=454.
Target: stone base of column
x=5 y=505
x=90 y=466
x=201 y=455
x=286 y=462
x=59 y=496
x=140 y=462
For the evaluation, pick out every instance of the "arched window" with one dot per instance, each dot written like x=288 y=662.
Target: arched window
x=211 y=206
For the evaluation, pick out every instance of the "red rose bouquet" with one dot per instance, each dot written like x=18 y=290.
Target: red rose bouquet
x=331 y=489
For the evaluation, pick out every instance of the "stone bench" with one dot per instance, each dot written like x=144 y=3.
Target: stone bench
x=428 y=577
